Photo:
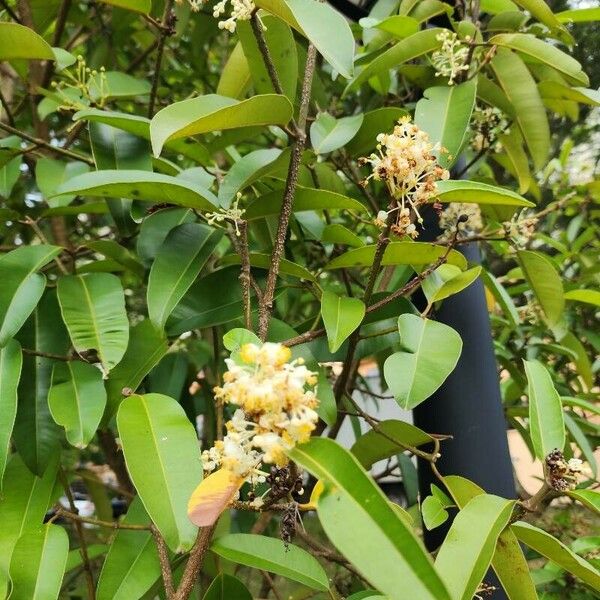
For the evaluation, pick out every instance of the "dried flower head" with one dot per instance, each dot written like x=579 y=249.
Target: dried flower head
x=406 y=163
x=451 y=59
x=563 y=475
x=276 y=410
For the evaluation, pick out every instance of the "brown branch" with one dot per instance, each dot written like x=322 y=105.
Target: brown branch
x=46 y=354
x=61 y=512
x=89 y=574
x=164 y=31
x=10 y=11
x=194 y=563
x=266 y=306
x=61 y=21
x=140 y=58
x=245 y=277
x=47 y=145
x=165 y=564
x=259 y=34
x=6 y=107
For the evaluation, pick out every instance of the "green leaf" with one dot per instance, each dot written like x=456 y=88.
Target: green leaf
x=589 y=498
x=455 y=284
x=557 y=552
x=335 y=233
x=247 y=170
x=587 y=296
x=117 y=85
x=520 y=88
x=263 y=261
x=216 y=113
x=580 y=15
x=546 y=422
x=545 y=283
x=399 y=26
x=162 y=456
x=444 y=113
x=431 y=351
x=178 y=262
x=407 y=49
x=21 y=287
x=131 y=566
x=147 y=345
x=396 y=253
x=328 y=133
x=478 y=193
x=235 y=76
x=36 y=435
x=75 y=560
x=433 y=512
x=557 y=91
x=467 y=551
x=234 y=339
x=305 y=199
x=50 y=173
x=502 y=297
x=274 y=556
x=352 y=508
x=390 y=438
x=141 y=6
x=543 y=52
x=227 y=587
x=38 y=563
x=316 y=21
x=77 y=400
x=282 y=48
x=341 y=316
x=327 y=409
x=512 y=142
x=373 y=123
x=23 y=504
x=11 y=362
x=18 y=41
x=140 y=185
x=541 y=11
x=93 y=308
x=119 y=254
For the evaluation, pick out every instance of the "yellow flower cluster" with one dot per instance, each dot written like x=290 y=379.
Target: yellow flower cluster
x=276 y=410
x=451 y=59
x=406 y=163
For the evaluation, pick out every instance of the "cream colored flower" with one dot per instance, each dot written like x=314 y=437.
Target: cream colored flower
x=451 y=59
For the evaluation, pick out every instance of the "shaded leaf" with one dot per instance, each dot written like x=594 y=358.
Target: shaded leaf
x=328 y=133
x=11 y=362
x=341 y=316
x=18 y=41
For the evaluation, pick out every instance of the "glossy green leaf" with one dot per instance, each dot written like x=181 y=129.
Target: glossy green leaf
x=23 y=504
x=18 y=41
x=589 y=498
x=541 y=11
x=235 y=76
x=389 y=550
x=328 y=133
x=216 y=113
x=546 y=422
x=77 y=400
x=335 y=233
x=141 y=6
x=512 y=143
x=122 y=256
x=397 y=253
x=21 y=286
x=184 y=252
x=282 y=48
x=520 y=88
x=587 y=296
x=466 y=554
x=316 y=21
x=578 y=15
x=444 y=113
x=36 y=435
x=558 y=91
x=305 y=199
x=272 y=555
x=227 y=587
x=93 y=308
x=116 y=85
x=140 y=185
x=502 y=297
x=162 y=456
x=341 y=316
x=557 y=552
x=434 y=513
x=430 y=353
x=147 y=345
x=543 y=52
x=399 y=26
x=478 y=193
x=131 y=566
x=407 y=49
x=545 y=283
x=50 y=173
x=390 y=438
x=373 y=123
x=11 y=362
x=327 y=409
x=38 y=563
x=263 y=261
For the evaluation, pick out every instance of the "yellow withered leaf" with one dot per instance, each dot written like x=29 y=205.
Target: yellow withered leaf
x=212 y=496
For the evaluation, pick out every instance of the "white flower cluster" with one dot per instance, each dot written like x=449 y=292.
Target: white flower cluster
x=233 y=214
x=520 y=228
x=275 y=412
x=451 y=59
x=405 y=161
x=449 y=219
x=241 y=10
x=487 y=124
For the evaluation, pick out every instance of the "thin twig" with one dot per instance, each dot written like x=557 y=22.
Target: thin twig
x=36 y=228
x=245 y=276
x=266 y=306
x=59 y=27
x=62 y=512
x=45 y=144
x=10 y=11
x=89 y=574
x=165 y=30
x=165 y=564
x=46 y=354
x=6 y=107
